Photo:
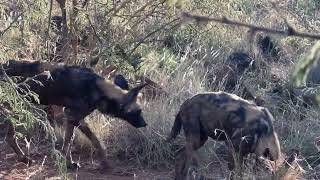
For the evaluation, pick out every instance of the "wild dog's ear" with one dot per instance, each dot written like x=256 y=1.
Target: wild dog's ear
x=133 y=93
x=121 y=81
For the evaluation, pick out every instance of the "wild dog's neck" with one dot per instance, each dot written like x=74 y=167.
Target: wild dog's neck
x=110 y=90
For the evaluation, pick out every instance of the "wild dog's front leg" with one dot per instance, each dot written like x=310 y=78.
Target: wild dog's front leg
x=231 y=156
x=234 y=160
x=12 y=141
x=66 y=148
x=96 y=143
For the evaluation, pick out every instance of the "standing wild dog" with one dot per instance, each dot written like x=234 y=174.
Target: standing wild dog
x=245 y=127
x=80 y=91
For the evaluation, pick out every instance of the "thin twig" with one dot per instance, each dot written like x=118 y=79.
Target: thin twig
x=49 y=20
x=74 y=29
x=10 y=25
x=94 y=30
x=116 y=10
x=290 y=31
x=150 y=34
x=85 y=2
x=138 y=11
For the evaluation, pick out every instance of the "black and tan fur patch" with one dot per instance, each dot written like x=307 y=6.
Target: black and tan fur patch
x=222 y=116
x=80 y=90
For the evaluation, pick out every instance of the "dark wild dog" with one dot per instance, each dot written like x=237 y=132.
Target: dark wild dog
x=80 y=91
x=245 y=128
x=234 y=67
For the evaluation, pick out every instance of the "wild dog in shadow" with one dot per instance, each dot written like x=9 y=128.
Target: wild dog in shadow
x=245 y=128
x=80 y=91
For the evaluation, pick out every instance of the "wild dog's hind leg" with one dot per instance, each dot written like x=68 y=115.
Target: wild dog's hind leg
x=180 y=164
x=185 y=157
x=66 y=148
x=71 y=122
x=12 y=141
x=96 y=143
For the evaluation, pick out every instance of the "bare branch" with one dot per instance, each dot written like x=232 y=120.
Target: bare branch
x=290 y=31
x=10 y=25
x=151 y=33
x=50 y=13
x=94 y=30
x=116 y=10
x=74 y=29
x=138 y=11
x=65 y=30
x=85 y=2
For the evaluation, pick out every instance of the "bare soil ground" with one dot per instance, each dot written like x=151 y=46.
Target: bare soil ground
x=43 y=168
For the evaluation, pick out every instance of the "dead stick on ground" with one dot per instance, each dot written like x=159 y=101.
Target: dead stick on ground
x=290 y=31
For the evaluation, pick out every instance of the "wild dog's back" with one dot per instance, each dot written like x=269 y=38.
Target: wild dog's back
x=63 y=83
x=219 y=110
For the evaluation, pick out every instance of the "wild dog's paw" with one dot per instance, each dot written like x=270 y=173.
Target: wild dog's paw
x=73 y=165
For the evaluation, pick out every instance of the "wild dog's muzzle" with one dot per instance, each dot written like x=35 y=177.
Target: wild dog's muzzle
x=135 y=119
x=140 y=123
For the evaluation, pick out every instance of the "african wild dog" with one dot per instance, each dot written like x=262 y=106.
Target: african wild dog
x=267 y=47
x=80 y=91
x=245 y=127
x=235 y=66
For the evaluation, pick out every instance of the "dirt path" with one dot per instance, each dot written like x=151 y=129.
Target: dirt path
x=42 y=168
x=11 y=170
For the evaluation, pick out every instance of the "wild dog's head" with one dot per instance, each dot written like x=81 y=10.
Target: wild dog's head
x=121 y=103
x=258 y=137
x=268 y=144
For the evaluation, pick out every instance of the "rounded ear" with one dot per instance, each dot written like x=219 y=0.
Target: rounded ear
x=133 y=93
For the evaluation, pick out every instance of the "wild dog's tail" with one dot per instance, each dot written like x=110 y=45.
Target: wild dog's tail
x=22 y=68
x=175 y=129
